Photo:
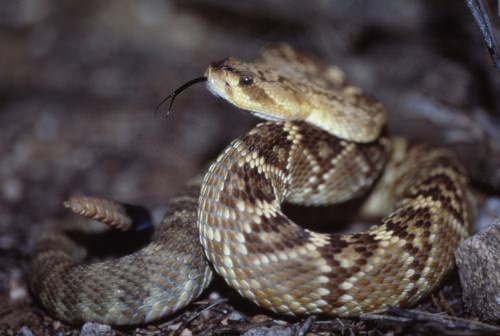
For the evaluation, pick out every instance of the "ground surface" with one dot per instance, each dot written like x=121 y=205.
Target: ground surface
x=79 y=81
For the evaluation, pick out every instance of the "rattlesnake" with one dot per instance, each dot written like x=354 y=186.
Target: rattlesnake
x=325 y=143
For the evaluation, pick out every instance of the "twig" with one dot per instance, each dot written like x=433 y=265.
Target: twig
x=240 y=327
x=478 y=11
x=305 y=326
x=296 y=329
x=339 y=326
x=194 y=315
x=409 y=317
x=444 y=304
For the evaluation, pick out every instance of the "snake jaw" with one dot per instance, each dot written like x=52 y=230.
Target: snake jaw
x=221 y=79
x=212 y=88
x=267 y=116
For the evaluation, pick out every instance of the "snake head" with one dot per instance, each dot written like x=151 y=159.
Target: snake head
x=255 y=88
x=280 y=89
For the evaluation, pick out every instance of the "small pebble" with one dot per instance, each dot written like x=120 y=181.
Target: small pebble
x=234 y=317
x=260 y=318
x=174 y=326
x=96 y=329
x=18 y=290
x=186 y=332
x=12 y=190
x=24 y=331
x=56 y=325
x=18 y=294
x=214 y=296
x=271 y=331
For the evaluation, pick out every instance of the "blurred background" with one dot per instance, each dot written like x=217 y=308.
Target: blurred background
x=79 y=82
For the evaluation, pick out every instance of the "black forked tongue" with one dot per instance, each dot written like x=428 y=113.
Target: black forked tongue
x=177 y=91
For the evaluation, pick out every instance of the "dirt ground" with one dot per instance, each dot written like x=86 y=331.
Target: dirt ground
x=79 y=82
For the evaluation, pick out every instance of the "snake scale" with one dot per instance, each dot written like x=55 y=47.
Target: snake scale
x=324 y=143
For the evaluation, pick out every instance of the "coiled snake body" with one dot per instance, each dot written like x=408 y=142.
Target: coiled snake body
x=325 y=144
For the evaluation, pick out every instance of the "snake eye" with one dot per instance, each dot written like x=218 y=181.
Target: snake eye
x=246 y=80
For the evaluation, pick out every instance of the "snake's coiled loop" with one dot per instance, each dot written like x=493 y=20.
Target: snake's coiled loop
x=291 y=270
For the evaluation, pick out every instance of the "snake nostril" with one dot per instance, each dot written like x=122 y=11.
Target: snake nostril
x=218 y=64
x=222 y=65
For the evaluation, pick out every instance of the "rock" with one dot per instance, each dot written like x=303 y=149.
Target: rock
x=235 y=317
x=96 y=329
x=479 y=270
